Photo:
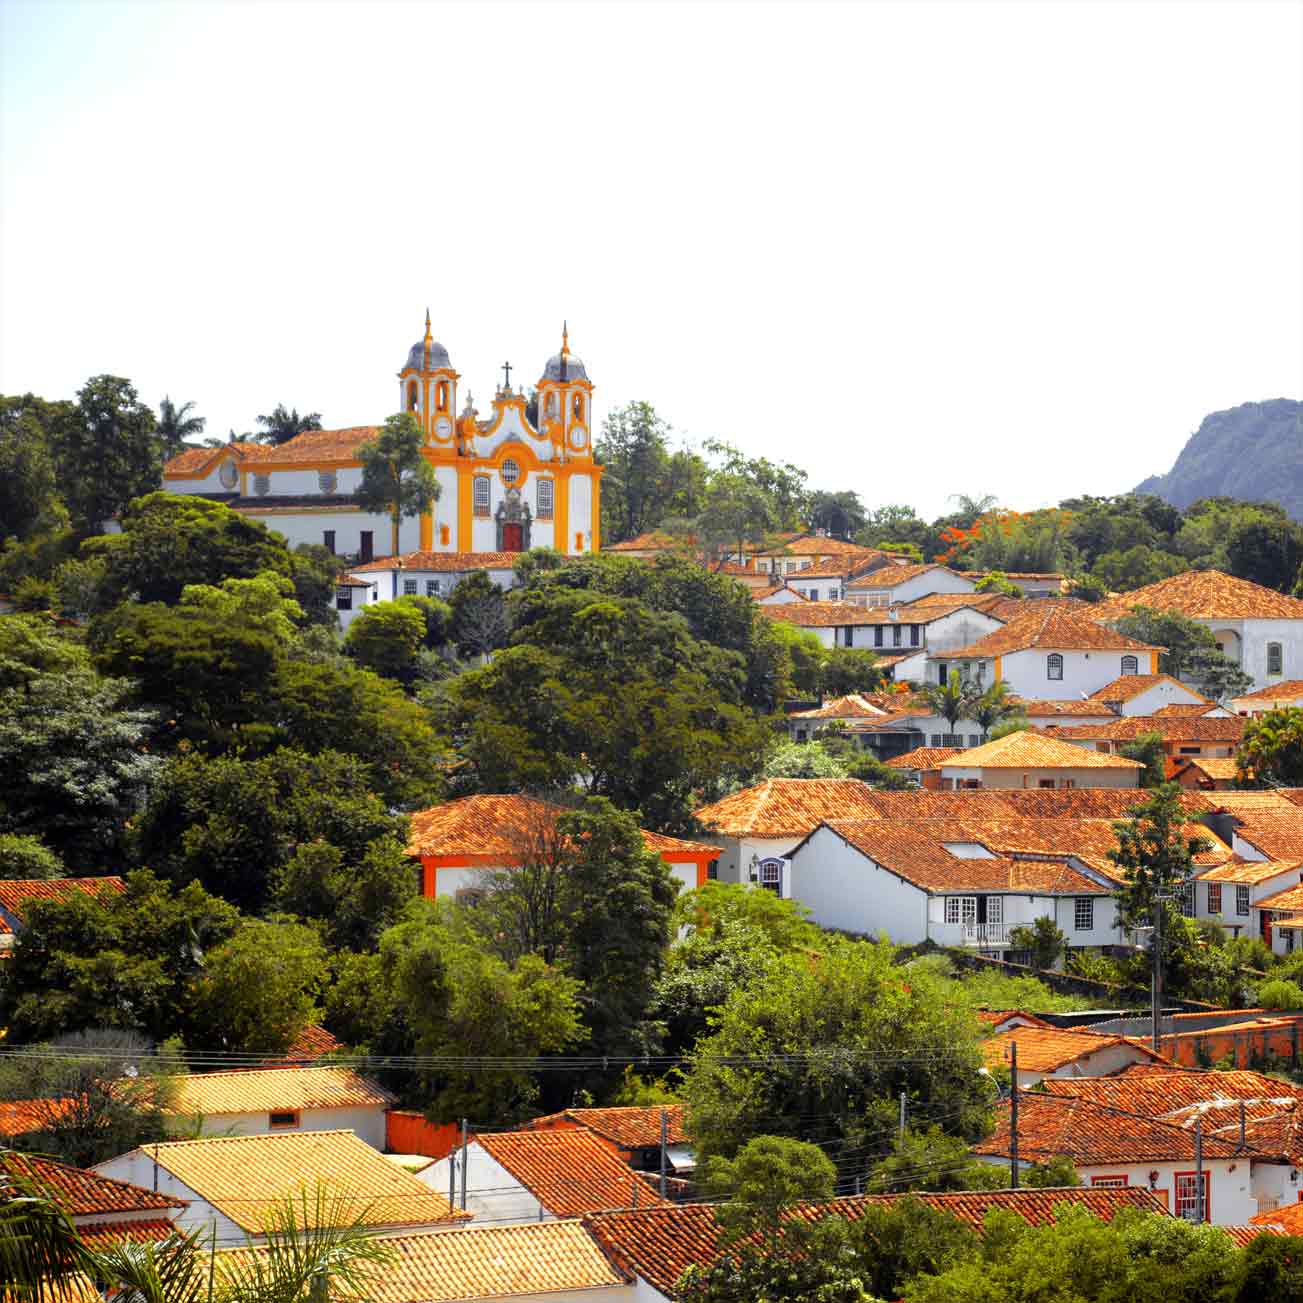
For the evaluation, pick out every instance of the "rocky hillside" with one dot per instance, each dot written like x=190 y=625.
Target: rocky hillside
x=1253 y=452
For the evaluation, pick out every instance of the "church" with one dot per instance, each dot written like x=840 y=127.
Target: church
x=522 y=478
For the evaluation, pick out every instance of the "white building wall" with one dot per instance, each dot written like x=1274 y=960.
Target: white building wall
x=445 y=509
x=959 y=628
x=1107 y=930
x=581 y=513
x=307 y=526
x=1006 y=778
x=1274 y=1185
x=368 y=1123
x=1257 y=634
x=939 y=580
x=140 y=1169
x=1084 y=672
x=492 y=1193
x=1165 y=693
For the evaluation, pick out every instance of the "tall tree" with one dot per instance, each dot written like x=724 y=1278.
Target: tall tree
x=109 y=452
x=1271 y=749
x=1155 y=854
x=396 y=478
x=176 y=425
x=1191 y=654
x=29 y=499
x=992 y=706
x=283 y=425
x=633 y=447
x=952 y=700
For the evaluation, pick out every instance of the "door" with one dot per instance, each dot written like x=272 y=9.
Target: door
x=366 y=549
x=513 y=538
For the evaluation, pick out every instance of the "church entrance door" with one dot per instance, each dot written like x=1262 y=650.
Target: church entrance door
x=512 y=538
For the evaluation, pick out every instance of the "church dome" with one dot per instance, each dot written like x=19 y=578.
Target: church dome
x=564 y=366
x=438 y=356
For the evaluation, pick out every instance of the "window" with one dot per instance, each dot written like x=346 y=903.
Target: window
x=366 y=545
x=943 y=674
x=878 y=635
x=262 y=485
x=995 y=909
x=343 y=599
x=480 y=495
x=543 y=502
x=432 y=588
x=813 y=594
x=1045 y=782
x=1130 y=665
x=1214 y=897
x=441 y=395
x=974 y=739
x=1083 y=914
x=1186 y=898
x=578 y=407
x=913 y=635
x=1242 y=901
x=712 y=871
x=285 y=1118
x=469 y=895
x=327 y=481
x=411 y=396
x=510 y=471
x=328 y=540
x=771 y=876
x=897 y=635
x=1054 y=666
x=1187 y=1196
x=934 y=740
x=409 y=587
x=1189 y=751
x=1109 y=1182
x=962 y=910
x=1275 y=658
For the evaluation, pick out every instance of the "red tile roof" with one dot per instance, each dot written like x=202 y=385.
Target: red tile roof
x=1130 y=686
x=1285 y=1220
x=923 y=758
x=786 y=807
x=82 y=1193
x=15 y=892
x=100 y=1235
x=1070 y=709
x=1245 y=1235
x=273 y=1089
x=1205 y=594
x=1250 y=871
x=1287 y=692
x=629 y=1128
x=1227 y=729
x=1054 y=629
x=1027 y=749
x=1156 y=1093
x=820 y=615
x=855 y=705
x=568 y=1171
x=1046 y=1051
x=1278 y=836
x=894 y=576
x=660 y=1244
x=994 y=1017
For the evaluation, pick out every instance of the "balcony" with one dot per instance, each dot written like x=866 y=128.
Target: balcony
x=986 y=934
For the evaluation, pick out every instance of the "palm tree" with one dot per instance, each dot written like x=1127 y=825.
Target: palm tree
x=41 y=1255
x=952 y=700
x=992 y=707
x=176 y=426
x=282 y=426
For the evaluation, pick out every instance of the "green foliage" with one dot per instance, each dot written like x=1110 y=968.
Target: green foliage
x=802 y=760
x=1148 y=750
x=108 y=451
x=840 y=514
x=1087 y=588
x=635 y=1091
x=32 y=594
x=849 y=669
x=1280 y=994
x=286 y=424
x=29 y=502
x=1044 y=942
x=436 y=617
x=929 y=1159
x=314 y=570
x=385 y=637
x=865 y=766
x=82 y=588
x=1192 y=651
x=176 y=425
x=1136 y=567
x=480 y=620
x=893 y=1243
x=1272 y=1268
x=1271 y=748
x=107 y=959
x=781 y=485
x=258 y=989
x=992 y=706
x=27 y=858
x=996 y=581
x=1016 y=723
x=396 y=478
x=169 y=541
x=868 y=1033
x=1154 y=852
x=952 y=700
x=768 y=1175
x=91 y=1096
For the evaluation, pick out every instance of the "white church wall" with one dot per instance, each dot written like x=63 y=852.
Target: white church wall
x=581 y=512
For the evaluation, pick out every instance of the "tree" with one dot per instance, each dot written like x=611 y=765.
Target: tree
x=592 y=896
x=1280 y=994
x=849 y=669
x=480 y=621
x=736 y=512
x=992 y=707
x=72 y=765
x=1266 y=549
x=802 y=760
x=996 y=581
x=108 y=453
x=928 y=1159
x=176 y=426
x=41 y=1252
x=29 y=501
x=1272 y=1268
x=396 y=478
x=952 y=700
x=385 y=637
x=27 y=858
x=282 y=425
x=112 y=959
x=781 y=485
x=1271 y=749
x=767 y=1176
x=1043 y=941
x=314 y=570
x=896 y=1242
x=1192 y=652
x=839 y=514
x=90 y=1096
x=1148 y=749
x=865 y=1035
x=169 y=541
x=258 y=989
x=1136 y=567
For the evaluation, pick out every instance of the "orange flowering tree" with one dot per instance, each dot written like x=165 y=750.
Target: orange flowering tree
x=1001 y=539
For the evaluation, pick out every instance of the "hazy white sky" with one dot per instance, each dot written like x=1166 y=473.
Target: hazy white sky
x=919 y=249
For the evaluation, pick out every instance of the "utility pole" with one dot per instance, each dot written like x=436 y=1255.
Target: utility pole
x=1013 y=1117
x=452 y=1179
x=902 y=1119
x=665 y=1131
x=1198 y=1169
x=464 y=1137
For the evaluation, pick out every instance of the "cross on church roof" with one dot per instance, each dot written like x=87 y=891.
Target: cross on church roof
x=506 y=370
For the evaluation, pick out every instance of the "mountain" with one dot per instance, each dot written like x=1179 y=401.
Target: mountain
x=1253 y=452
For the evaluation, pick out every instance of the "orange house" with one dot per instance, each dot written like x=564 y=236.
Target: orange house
x=459 y=842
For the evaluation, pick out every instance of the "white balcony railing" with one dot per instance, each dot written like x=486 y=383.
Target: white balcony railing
x=987 y=934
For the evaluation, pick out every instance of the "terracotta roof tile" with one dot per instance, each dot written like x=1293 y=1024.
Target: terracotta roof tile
x=84 y=1193
x=1130 y=686
x=653 y=541
x=100 y=1235
x=1250 y=871
x=1278 y=836
x=324 y=446
x=660 y=1244
x=192 y=461
x=786 y=807
x=894 y=576
x=923 y=758
x=247 y=1177
x=442 y=562
x=266 y=1090
x=1205 y=594
x=1232 y=802
x=1285 y=1220
x=1192 y=708
x=629 y=1128
x=1245 y=1235
x=1286 y=692
x=1030 y=750
x=568 y=1171
x=1064 y=709
x=853 y=706
x=1046 y=1051
x=1052 y=629
x=993 y=1017
x=1227 y=729
x=15 y=892
x=821 y=615
x=501 y=826
x=1157 y=1093
x=1090 y=1134
x=482 y=1262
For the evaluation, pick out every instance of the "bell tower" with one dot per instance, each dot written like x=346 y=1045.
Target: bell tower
x=427 y=387
x=565 y=398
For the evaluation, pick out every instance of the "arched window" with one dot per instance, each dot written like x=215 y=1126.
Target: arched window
x=578 y=407
x=411 y=395
x=1054 y=666
x=1275 y=658
x=550 y=408
x=480 y=495
x=1130 y=665
x=441 y=395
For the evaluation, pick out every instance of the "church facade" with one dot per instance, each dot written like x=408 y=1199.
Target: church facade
x=518 y=479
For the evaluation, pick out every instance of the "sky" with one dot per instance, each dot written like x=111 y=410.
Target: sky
x=920 y=250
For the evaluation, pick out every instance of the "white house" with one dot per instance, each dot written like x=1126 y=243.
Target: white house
x=236 y=1183
x=416 y=574
x=1109 y=1147
x=1047 y=651
x=890 y=585
x=1145 y=694
x=919 y=880
x=1027 y=759
x=1234 y=894
x=1279 y=696
x=1065 y=1053
x=835 y=624
x=1260 y=629
x=534 y=1176
x=261 y=1102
